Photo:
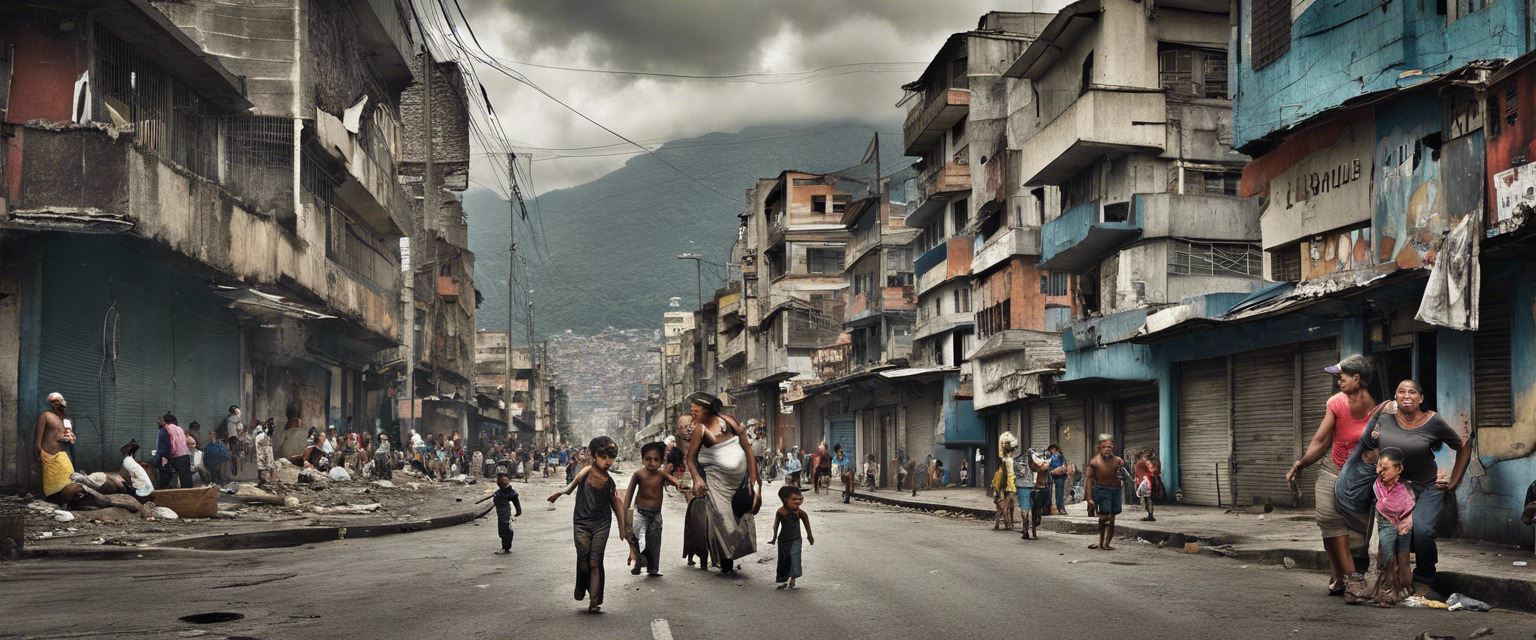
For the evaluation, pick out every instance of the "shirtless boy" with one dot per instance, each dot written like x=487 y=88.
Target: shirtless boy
x=1102 y=482
x=644 y=495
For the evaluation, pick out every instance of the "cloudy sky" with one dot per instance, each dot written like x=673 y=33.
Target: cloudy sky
x=863 y=51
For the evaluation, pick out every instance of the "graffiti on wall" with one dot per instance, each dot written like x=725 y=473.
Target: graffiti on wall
x=1410 y=213
x=1337 y=252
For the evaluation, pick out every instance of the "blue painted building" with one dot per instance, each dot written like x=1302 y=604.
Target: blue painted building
x=1371 y=140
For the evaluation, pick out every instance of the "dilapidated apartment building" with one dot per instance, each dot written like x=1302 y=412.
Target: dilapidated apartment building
x=205 y=204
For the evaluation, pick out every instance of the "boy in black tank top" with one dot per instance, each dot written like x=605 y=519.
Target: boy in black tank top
x=597 y=502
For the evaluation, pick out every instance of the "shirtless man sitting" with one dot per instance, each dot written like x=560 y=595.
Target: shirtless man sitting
x=1102 y=483
x=50 y=436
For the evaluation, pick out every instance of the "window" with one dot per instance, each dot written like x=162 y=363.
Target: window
x=819 y=204
x=1087 y=74
x=957 y=74
x=1285 y=264
x=960 y=214
x=824 y=260
x=1511 y=104
x=962 y=300
x=1216 y=183
x=1053 y=283
x=957 y=132
x=1117 y=212
x=1192 y=72
x=1271 y=32
x=840 y=203
x=1057 y=316
x=1214 y=259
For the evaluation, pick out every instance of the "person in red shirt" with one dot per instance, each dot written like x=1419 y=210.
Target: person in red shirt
x=1345 y=535
x=1145 y=469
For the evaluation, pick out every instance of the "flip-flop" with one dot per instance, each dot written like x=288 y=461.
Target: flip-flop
x=1093 y=546
x=1336 y=588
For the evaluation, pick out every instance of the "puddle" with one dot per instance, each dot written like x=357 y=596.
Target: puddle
x=213 y=618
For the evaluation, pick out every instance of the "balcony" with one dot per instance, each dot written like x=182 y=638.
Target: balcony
x=935 y=325
x=949 y=178
x=928 y=120
x=1099 y=123
x=865 y=308
x=951 y=259
x=448 y=288
x=1206 y=217
x=833 y=362
x=372 y=188
x=1015 y=241
x=730 y=309
x=1077 y=239
x=861 y=243
x=734 y=347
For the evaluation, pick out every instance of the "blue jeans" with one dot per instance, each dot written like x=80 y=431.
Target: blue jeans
x=1061 y=492
x=1425 y=513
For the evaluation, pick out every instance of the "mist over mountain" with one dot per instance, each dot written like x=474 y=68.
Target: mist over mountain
x=604 y=253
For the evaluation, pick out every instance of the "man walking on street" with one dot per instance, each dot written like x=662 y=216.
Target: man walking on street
x=1102 y=483
x=175 y=457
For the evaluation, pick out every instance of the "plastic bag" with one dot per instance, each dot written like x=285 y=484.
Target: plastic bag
x=340 y=474
x=1458 y=602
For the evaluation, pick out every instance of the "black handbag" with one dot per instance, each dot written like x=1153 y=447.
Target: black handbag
x=742 y=500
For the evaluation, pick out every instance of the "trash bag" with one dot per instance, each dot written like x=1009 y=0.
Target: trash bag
x=1458 y=602
x=63 y=516
x=340 y=474
x=164 y=513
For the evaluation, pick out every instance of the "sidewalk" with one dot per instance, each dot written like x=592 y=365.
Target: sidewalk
x=1483 y=571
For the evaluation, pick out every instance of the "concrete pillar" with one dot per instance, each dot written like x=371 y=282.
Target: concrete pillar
x=1168 y=426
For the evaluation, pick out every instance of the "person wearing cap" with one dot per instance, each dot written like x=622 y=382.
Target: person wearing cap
x=1345 y=534
x=52 y=436
x=134 y=473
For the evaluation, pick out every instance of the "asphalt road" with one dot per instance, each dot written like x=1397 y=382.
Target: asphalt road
x=875 y=572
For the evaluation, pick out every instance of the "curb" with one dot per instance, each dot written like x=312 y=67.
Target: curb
x=267 y=539
x=1503 y=593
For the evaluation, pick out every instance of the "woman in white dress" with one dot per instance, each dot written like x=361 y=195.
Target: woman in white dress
x=725 y=473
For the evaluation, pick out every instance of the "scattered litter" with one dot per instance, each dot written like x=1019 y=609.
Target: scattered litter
x=1421 y=602
x=1433 y=636
x=1191 y=547
x=164 y=513
x=45 y=534
x=340 y=474
x=1485 y=631
x=42 y=507
x=1458 y=602
x=1289 y=563
x=1520 y=563
x=383 y=484
x=482 y=586
x=1225 y=550
x=63 y=516
x=290 y=501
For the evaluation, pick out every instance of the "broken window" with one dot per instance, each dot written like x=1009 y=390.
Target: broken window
x=840 y=203
x=824 y=260
x=1214 y=259
x=1511 y=104
x=960 y=214
x=819 y=204
x=1117 y=212
x=1216 y=183
x=1271 y=29
x=1192 y=72
x=1285 y=264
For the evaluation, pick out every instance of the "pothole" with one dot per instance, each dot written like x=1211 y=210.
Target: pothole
x=213 y=617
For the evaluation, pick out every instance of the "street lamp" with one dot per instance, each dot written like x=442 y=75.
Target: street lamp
x=698 y=263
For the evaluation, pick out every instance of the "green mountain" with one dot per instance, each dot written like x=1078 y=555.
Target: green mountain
x=604 y=253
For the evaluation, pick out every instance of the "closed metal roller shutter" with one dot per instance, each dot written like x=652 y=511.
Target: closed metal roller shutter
x=1492 y=400
x=922 y=420
x=840 y=431
x=1316 y=387
x=1204 y=438
x=1264 y=397
x=1040 y=431
x=1139 y=426
x=1071 y=430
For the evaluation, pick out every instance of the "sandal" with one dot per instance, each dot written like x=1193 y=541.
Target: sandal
x=1336 y=588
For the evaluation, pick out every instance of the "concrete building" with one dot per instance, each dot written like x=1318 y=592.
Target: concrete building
x=213 y=217
x=1126 y=153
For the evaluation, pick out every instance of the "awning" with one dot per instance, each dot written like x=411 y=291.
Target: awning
x=249 y=299
x=921 y=372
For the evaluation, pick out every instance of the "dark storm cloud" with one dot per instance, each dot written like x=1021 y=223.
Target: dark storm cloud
x=706 y=37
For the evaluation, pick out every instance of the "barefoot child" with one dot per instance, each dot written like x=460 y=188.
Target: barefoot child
x=596 y=505
x=786 y=530
x=645 y=491
x=1105 y=495
x=1036 y=494
x=505 y=498
x=1394 y=528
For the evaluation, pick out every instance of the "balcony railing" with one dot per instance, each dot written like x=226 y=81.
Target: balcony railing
x=734 y=347
x=833 y=362
x=952 y=176
x=1013 y=241
x=1078 y=238
x=873 y=303
x=928 y=119
x=948 y=260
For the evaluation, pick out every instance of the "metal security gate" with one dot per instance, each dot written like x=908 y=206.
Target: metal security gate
x=1316 y=387
x=1139 y=426
x=1264 y=430
x=1492 y=397
x=841 y=431
x=127 y=339
x=922 y=420
x=1204 y=436
x=1040 y=425
x=1071 y=430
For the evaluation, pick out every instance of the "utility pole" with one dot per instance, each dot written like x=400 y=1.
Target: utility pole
x=506 y=393
x=533 y=380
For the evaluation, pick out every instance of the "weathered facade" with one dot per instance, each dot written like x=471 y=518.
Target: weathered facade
x=213 y=217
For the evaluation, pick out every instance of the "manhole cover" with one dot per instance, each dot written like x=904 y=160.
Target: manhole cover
x=212 y=618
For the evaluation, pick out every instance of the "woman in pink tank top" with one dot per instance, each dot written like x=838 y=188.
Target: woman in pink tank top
x=1348 y=412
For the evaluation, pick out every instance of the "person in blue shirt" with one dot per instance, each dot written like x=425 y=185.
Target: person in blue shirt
x=505 y=498
x=215 y=456
x=1058 y=478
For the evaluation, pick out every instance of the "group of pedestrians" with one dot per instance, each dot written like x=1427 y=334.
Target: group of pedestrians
x=1378 y=475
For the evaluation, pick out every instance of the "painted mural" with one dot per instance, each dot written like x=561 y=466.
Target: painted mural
x=1337 y=252
x=1410 y=209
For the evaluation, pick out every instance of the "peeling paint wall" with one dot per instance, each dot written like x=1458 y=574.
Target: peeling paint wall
x=1510 y=129
x=1340 y=50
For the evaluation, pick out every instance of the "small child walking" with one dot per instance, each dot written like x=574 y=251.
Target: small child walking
x=786 y=533
x=1394 y=528
x=597 y=503
x=505 y=497
x=646 y=492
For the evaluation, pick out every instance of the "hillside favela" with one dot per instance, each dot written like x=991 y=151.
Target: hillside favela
x=1094 y=319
